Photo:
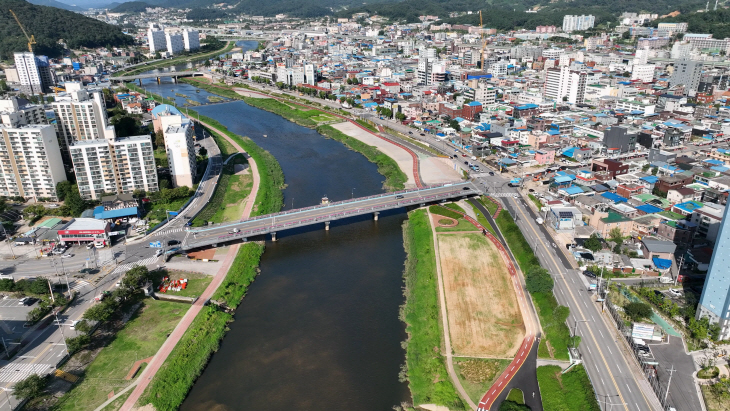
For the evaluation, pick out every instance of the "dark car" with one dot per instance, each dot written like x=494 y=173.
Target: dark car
x=590 y=274
x=531 y=190
x=173 y=242
x=422 y=134
x=491 y=173
x=466 y=162
x=399 y=196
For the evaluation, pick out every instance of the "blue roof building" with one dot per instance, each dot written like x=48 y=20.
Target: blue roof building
x=614 y=197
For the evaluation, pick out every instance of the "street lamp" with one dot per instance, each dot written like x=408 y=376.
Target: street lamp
x=575 y=329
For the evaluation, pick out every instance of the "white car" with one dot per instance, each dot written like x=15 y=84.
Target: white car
x=674 y=292
x=69 y=255
x=158 y=253
x=73 y=325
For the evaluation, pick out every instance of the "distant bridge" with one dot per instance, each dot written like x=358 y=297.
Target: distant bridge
x=173 y=74
x=324 y=214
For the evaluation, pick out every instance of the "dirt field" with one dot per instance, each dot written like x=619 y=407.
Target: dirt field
x=484 y=317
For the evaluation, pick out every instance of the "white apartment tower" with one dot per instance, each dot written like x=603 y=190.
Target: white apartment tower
x=175 y=43
x=573 y=23
x=121 y=166
x=14 y=115
x=30 y=161
x=34 y=73
x=191 y=40
x=156 y=38
x=565 y=83
x=81 y=115
x=180 y=147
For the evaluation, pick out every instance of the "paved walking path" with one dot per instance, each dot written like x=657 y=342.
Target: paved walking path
x=445 y=318
x=167 y=347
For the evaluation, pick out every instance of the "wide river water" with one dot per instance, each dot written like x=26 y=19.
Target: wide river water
x=319 y=328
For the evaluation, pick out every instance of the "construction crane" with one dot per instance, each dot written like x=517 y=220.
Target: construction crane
x=57 y=89
x=484 y=43
x=31 y=38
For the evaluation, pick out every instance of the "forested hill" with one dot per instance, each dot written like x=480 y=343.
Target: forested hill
x=715 y=22
x=48 y=25
x=131 y=7
x=510 y=14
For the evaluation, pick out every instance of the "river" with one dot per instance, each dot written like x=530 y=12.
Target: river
x=319 y=328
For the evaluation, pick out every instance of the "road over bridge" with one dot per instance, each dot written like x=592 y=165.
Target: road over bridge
x=173 y=74
x=323 y=214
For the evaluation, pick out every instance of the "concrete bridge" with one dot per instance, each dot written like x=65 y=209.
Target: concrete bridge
x=324 y=214
x=173 y=74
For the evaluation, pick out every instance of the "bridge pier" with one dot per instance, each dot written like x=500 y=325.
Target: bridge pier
x=273 y=236
x=158 y=80
x=174 y=80
x=139 y=80
x=375 y=215
x=327 y=225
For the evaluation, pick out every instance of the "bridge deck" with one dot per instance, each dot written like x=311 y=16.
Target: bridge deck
x=155 y=75
x=323 y=213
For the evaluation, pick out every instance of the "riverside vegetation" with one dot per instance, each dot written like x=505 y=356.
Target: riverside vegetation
x=425 y=367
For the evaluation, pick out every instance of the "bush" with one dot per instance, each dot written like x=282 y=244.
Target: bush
x=538 y=280
x=77 y=343
x=637 y=311
x=31 y=387
x=508 y=405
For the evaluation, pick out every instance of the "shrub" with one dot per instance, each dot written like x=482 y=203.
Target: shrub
x=538 y=280
x=31 y=387
x=637 y=311
x=76 y=343
x=436 y=209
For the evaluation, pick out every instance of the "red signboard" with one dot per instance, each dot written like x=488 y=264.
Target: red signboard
x=67 y=232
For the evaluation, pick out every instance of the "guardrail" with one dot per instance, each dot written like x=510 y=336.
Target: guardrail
x=336 y=215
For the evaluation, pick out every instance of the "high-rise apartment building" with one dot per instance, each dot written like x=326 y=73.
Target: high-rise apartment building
x=688 y=73
x=175 y=43
x=573 y=23
x=563 y=84
x=180 y=147
x=715 y=299
x=30 y=161
x=34 y=73
x=156 y=38
x=81 y=115
x=12 y=114
x=121 y=166
x=191 y=40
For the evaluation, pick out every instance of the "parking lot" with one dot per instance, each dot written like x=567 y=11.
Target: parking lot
x=13 y=316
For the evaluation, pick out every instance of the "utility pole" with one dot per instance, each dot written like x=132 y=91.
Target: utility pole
x=679 y=269
x=671 y=372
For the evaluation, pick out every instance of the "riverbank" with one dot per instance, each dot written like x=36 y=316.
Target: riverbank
x=425 y=367
x=396 y=167
x=178 y=60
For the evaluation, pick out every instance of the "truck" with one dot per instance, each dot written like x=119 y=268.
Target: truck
x=515 y=182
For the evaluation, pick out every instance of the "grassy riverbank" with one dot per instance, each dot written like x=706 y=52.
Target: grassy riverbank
x=552 y=315
x=395 y=178
x=571 y=391
x=426 y=372
x=178 y=60
x=228 y=201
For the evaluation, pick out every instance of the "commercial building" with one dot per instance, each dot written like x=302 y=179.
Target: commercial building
x=34 y=73
x=617 y=137
x=30 y=161
x=156 y=39
x=687 y=73
x=122 y=165
x=715 y=299
x=573 y=23
x=643 y=72
x=191 y=40
x=565 y=84
x=85 y=230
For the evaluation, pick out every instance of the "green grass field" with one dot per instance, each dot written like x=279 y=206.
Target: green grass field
x=478 y=374
x=463 y=225
x=571 y=391
x=197 y=282
x=140 y=338
x=489 y=205
x=228 y=201
x=428 y=379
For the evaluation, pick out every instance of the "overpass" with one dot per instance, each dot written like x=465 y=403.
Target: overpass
x=324 y=214
x=173 y=74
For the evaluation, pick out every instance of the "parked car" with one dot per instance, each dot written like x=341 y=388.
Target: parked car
x=89 y=246
x=23 y=300
x=589 y=274
x=675 y=293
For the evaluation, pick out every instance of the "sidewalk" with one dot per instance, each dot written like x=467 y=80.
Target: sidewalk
x=179 y=331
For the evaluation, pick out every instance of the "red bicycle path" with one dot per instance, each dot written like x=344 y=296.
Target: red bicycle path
x=177 y=334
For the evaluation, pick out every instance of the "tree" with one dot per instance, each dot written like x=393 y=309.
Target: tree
x=75 y=344
x=616 y=235
x=455 y=125
x=508 y=405
x=203 y=152
x=99 y=312
x=400 y=116
x=63 y=188
x=75 y=203
x=83 y=326
x=31 y=387
x=538 y=280
x=637 y=311
x=698 y=328
x=593 y=243
x=159 y=139
x=136 y=277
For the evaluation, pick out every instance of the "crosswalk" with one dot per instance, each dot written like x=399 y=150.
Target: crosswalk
x=126 y=267
x=78 y=284
x=16 y=372
x=168 y=231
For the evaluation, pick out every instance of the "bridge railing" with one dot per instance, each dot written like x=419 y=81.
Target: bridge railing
x=318 y=206
x=313 y=220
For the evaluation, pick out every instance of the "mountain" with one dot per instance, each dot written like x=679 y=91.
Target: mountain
x=56 y=4
x=49 y=25
x=131 y=7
